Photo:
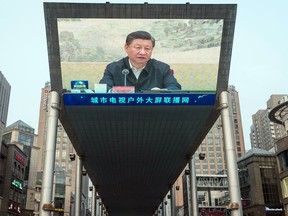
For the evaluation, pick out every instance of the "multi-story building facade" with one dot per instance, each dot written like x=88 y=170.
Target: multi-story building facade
x=281 y=147
x=259 y=183
x=65 y=168
x=264 y=132
x=15 y=163
x=24 y=137
x=5 y=89
x=279 y=115
x=260 y=130
x=213 y=145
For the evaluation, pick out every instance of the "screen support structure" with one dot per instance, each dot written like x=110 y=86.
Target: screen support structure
x=78 y=187
x=235 y=205
x=94 y=202
x=193 y=187
x=172 y=200
x=48 y=169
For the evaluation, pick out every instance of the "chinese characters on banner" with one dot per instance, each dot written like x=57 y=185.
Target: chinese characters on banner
x=138 y=99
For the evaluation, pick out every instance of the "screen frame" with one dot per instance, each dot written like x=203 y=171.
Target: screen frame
x=53 y=11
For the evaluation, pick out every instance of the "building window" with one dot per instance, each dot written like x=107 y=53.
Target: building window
x=14 y=169
x=7 y=138
x=69 y=168
x=218 y=149
x=11 y=194
x=283 y=161
x=18 y=171
x=60 y=178
x=57 y=154
x=210 y=148
x=16 y=196
x=234 y=107
x=59 y=203
x=25 y=139
x=243 y=177
x=63 y=154
x=284 y=184
x=19 y=197
x=22 y=174
x=269 y=186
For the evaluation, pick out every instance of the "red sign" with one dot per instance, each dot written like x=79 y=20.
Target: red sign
x=19 y=158
x=211 y=212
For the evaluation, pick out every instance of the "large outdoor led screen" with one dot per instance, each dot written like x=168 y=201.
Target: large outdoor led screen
x=190 y=46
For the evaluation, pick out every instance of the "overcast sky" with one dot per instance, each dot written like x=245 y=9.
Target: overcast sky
x=258 y=66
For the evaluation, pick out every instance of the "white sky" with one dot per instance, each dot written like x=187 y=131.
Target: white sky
x=258 y=66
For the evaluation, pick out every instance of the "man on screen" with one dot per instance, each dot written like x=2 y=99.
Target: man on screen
x=144 y=73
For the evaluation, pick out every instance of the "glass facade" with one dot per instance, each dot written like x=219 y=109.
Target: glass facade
x=269 y=186
x=245 y=187
x=7 y=138
x=283 y=161
x=26 y=139
x=284 y=183
x=21 y=126
x=259 y=183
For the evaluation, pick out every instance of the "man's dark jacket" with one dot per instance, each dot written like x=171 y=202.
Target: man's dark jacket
x=155 y=74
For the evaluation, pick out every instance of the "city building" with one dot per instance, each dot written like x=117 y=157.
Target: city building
x=12 y=187
x=213 y=147
x=279 y=115
x=259 y=183
x=281 y=147
x=260 y=134
x=65 y=165
x=210 y=161
x=24 y=137
x=264 y=132
x=5 y=89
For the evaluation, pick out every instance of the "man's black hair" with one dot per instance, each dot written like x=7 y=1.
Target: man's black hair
x=139 y=35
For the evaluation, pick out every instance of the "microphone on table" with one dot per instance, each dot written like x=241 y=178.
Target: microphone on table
x=125 y=72
x=125 y=88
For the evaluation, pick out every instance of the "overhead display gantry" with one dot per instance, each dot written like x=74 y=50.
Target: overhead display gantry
x=135 y=145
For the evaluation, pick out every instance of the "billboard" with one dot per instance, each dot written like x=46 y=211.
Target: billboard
x=114 y=131
x=190 y=46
